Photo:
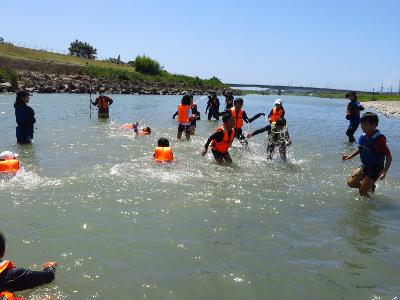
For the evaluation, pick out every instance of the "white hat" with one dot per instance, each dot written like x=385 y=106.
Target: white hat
x=6 y=155
x=278 y=101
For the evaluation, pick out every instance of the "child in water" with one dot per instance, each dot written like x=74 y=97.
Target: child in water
x=135 y=126
x=278 y=136
x=163 y=152
x=14 y=279
x=239 y=115
x=374 y=153
x=185 y=116
x=195 y=117
x=221 y=140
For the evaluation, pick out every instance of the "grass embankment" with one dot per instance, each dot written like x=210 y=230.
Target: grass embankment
x=24 y=59
x=31 y=54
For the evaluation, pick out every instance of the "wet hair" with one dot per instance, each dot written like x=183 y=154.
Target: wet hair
x=226 y=117
x=186 y=99
x=237 y=100
x=163 y=142
x=281 y=122
x=147 y=129
x=2 y=244
x=370 y=118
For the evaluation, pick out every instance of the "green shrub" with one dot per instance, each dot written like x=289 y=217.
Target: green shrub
x=146 y=65
x=10 y=76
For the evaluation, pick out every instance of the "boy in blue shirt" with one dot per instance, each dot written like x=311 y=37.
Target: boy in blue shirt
x=374 y=153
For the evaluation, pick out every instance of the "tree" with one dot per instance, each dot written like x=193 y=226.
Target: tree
x=82 y=49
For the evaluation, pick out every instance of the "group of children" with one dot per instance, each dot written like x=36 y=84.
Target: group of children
x=372 y=147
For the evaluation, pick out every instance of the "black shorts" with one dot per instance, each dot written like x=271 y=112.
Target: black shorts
x=184 y=128
x=218 y=154
x=372 y=171
x=239 y=134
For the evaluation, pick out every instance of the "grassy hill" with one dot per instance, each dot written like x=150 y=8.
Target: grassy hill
x=14 y=52
x=20 y=59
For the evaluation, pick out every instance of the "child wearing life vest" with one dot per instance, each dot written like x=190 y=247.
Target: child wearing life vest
x=14 y=279
x=374 y=153
x=278 y=136
x=184 y=117
x=135 y=127
x=221 y=140
x=239 y=115
x=277 y=112
x=163 y=152
x=353 y=115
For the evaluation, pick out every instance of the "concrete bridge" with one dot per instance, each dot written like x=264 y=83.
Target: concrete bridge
x=303 y=89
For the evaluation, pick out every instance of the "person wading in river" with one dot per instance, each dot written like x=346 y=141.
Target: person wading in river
x=353 y=115
x=103 y=102
x=25 y=117
x=374 y=153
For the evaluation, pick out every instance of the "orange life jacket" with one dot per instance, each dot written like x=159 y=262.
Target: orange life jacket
x=226 y=142
x=237 y=117
x=143 y=133
x=5 y=265
x=102 y=102
x=183 y=113
x=7 y=296
x=163 y=154
x=9 y=165
x=276 y=114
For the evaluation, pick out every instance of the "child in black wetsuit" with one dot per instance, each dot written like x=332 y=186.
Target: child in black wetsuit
x=14 y=279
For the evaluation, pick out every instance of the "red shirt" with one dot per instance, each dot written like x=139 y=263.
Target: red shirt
x=380 y=146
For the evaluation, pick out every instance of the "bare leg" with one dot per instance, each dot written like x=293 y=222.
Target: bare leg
x=354 y=181
x=366 y=184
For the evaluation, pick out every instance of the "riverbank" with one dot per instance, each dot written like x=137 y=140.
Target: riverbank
x=46 y=72
x=387 y=108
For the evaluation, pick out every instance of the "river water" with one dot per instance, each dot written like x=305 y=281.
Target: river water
x=89 y=196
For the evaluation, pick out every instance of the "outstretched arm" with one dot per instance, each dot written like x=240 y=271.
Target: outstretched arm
x=256 y=117
x=174 y=115
x=19 y=279
x=261 y=130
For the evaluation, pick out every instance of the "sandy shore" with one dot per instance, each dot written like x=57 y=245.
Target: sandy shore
x=387 y=108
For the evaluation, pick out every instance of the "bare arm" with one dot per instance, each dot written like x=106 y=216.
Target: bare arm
x=348 y=157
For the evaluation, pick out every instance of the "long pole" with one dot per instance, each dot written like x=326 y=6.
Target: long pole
x=90 y=100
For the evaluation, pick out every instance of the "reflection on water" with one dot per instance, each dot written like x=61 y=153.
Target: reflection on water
x=360 y=227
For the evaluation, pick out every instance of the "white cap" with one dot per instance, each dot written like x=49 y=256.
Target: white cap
x=278 y=101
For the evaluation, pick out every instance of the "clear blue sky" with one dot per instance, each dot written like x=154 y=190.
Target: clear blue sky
x=340 y=44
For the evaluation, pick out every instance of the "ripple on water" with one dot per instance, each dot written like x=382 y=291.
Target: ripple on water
x=27 y=180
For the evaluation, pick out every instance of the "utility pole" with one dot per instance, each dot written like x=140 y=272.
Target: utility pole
x=399 y=87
